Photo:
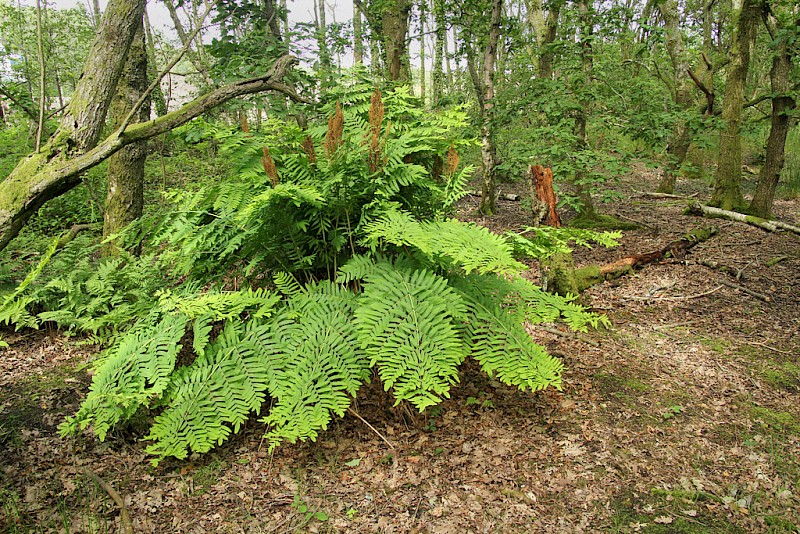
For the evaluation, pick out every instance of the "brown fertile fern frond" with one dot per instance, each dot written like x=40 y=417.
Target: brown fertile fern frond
x=308 y=148
x=269 y=166
x=452 y=161
x=376 y=114
x=335 y=133
x=245 y=126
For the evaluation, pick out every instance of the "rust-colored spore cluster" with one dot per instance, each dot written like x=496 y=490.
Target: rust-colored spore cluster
x=335 y=134
x=269 y=166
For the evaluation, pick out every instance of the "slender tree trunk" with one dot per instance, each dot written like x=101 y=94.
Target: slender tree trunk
x=727 y=188
x=42 y=75
x=587 y=209
x=322 y=38
x=287 y=39
x=193 y=56
x=782 y=106
x=125 y=199
x=438 y=54
x=423 y=13
x=681 y=137
x=157 y=95
x=488 y=147
x=97 y=15
x=448 y=67
x=358 y=36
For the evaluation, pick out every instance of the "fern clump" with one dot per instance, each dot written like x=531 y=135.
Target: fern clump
x=353 y=270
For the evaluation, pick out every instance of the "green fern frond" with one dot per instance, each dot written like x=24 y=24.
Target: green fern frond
x=320 y=367
x=217 y=306
x=212 y=398
x=405 y=321
x=505 y=349
x=137 y=370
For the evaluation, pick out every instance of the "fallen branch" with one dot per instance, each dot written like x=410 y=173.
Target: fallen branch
x=771 y=226
x=385 y=440
x=125 y=517
x=687 y=297
x=73 y=232
x=502 y=196
x=664 y=195
x=743 y=289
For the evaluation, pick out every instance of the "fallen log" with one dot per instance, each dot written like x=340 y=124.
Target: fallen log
x=696 y=208
x=586 y=277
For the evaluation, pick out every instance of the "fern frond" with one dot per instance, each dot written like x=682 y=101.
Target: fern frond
x=320 y=368
x=504 y=349
x=212 y=398
x=137 y=370
x=405 y=321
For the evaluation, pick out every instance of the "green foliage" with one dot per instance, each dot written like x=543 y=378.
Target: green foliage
x=353 y=266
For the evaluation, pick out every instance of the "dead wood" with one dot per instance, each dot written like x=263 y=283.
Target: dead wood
x=543 y=198
x=743 y=289
x=125 y=517
x=586 y=277
x=771 y=226
x=664 y=195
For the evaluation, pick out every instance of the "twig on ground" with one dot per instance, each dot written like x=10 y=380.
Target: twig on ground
x=389 y=443
x=687 y=297
x=779 y=351
x=664 y=195
x=569 y=335
x=760 y=296
x=125 y=517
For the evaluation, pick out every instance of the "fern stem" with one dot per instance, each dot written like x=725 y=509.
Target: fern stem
x=389 y=443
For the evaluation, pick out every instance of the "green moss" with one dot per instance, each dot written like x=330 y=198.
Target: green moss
x=785 y=376
x=601 y=222
x=781 y=422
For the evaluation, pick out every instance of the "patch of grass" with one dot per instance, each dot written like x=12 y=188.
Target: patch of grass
x=663 y=513
x=780 y=422
x=785 y=376
x=718 y=345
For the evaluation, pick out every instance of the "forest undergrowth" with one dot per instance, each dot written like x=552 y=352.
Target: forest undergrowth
x=680 y=417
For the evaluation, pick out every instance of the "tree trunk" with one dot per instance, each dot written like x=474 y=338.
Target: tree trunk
x=782 y=105
x=727 y=187
x=394 y=19
x=157 y=95
x=358 y=36
x=57 y=167
x=35 y=179
x=681 y=137
x=194 y=57
x=587 y=209
x=423 y=13
x=488 y=147
x=125 y=199
x=438 y=53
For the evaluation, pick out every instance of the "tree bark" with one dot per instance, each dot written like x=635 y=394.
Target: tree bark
x=770 y=226
x=423 y=14
x=488 y=147
x=438 y=54
x=727 y=187
x=125 y=198
x=782 y=105
x=57 y=168
x=543 y=197
x=358 y=36
x=394 y=22
x=681 y=137
x=587 y=209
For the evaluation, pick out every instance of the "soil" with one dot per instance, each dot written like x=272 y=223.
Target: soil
x=681 y=417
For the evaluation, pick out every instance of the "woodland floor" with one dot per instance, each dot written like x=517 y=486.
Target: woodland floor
x=682 y=417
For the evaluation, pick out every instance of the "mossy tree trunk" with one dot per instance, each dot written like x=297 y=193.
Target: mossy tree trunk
x=36 y=178
x=57 y=167
x=783 y=104
x=125 y=199
x=486 y=92
x=681 y=92
x=727 y=187
x=394 y=23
